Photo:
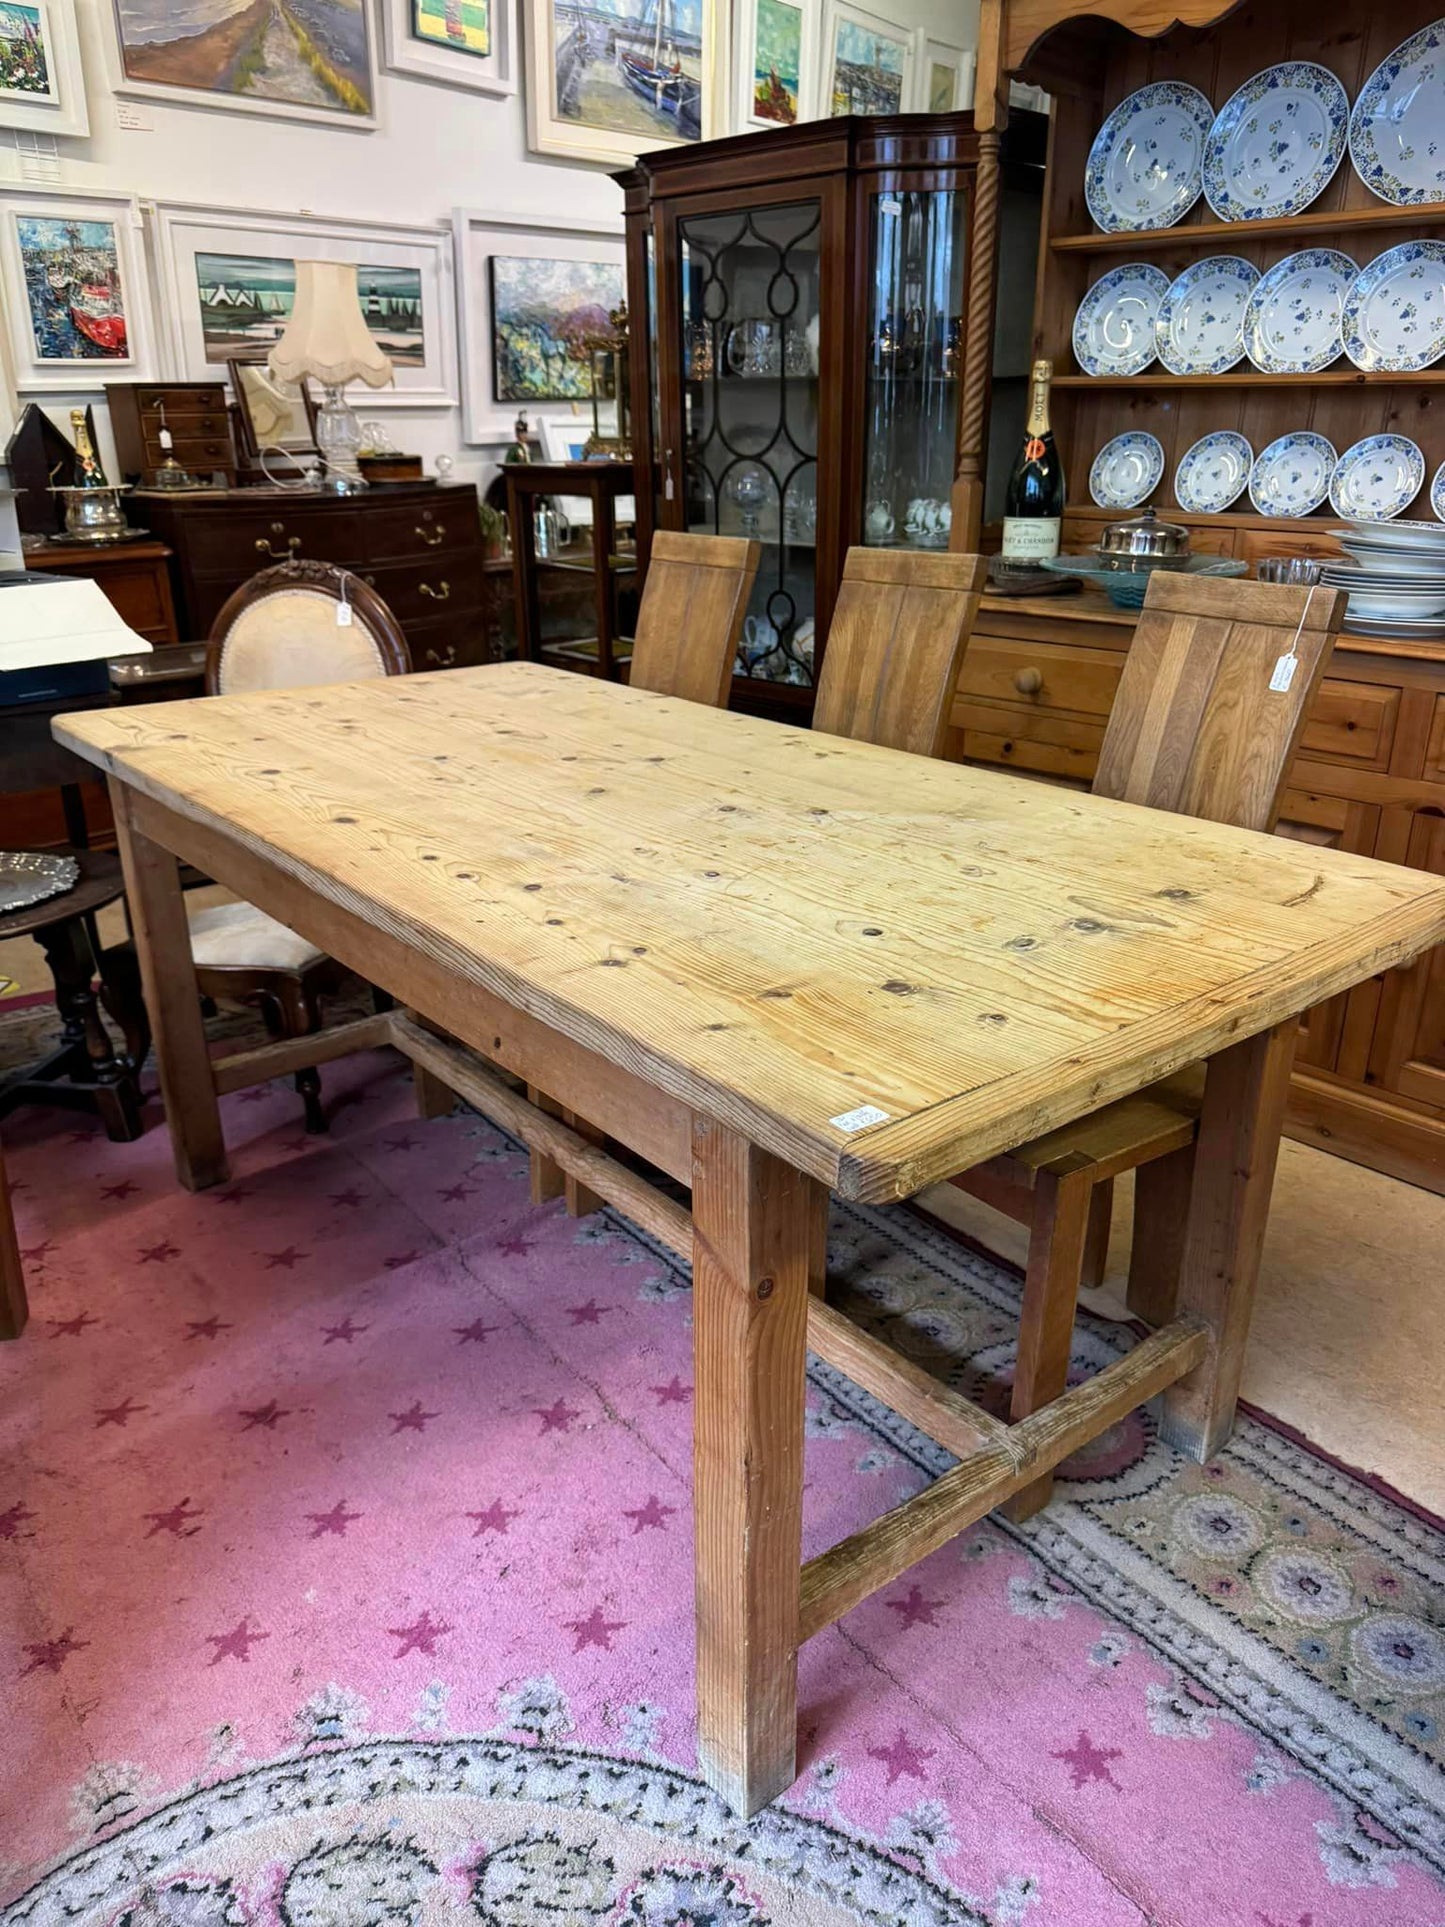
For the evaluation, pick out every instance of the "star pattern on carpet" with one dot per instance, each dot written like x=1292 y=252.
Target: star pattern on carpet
x=420 y=1636
x=402 y=1258
x=494 y=1518
x=343 y=1333
x=211 y=1327
x=589 y=1314
x=414 y=1419
x=558 y=1417
x=285 y=1260
x=594 y=1630
x=913 y=1609
x=35 y=1254
x=14 y=1517
x=176 y=1520
x=901 y=1757
x=477 y=1333
x=515 y=1247
x=403 y=1141
x=158 y=1254
x=127 y=1188
x=333 y=1524
x=235 y=1644
x=120 y=1415
x=348 y=1200
x=455 y=1193
x=1087 y=1762
x=71 y=1327
x=652 y=1512
x=673 y=1393
x=234 y=1194
x=49 y=1655
x=264 y=1417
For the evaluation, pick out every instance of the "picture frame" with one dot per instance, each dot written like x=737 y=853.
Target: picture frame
x=564 y=437
x=489 y=408
x=408 y=51
x=579 y=109
x=240 y=258
x=256 y=436
x=76 y=293
x=42 y=82
x=143 y=66
x=943 y=75
x=868 y=63
x=763 y=32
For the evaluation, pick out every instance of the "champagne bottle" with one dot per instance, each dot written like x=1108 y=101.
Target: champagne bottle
x=1034 y=502
x=88 y=471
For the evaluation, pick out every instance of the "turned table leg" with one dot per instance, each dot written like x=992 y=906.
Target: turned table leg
x=111 y=1083
x=758 y=1227
x=1245 y=1091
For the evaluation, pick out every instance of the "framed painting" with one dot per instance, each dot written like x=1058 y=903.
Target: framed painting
x=609 y=84
x=867 y=62
x=296 y=59
x=227 y=280
x=461 y=43
x=777 y=60
x=530 y=294
x=75 y=289
x=943 y=76
x=42 y=87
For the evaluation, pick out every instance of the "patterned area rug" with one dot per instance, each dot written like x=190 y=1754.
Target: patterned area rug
x=346 y=1580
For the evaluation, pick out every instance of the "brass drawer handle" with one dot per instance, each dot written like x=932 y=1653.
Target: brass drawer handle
x=438 y=594
x=432 y=537
x=1028 y=682
x=263 y=547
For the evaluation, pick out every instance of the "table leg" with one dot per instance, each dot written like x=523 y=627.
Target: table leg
x=757 y=1231
x=1245 y=1091
x=94 y=1064
x=163 y=944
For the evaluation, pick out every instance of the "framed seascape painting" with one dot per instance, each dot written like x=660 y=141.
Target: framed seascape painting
x=42 y=88
x=777 y=56
x=227 y=282
x=299 y=59
x=531 y=296
x=608 y=84
x=461 y=43
x=868 y=62
x=75 y=289
x=943 y=76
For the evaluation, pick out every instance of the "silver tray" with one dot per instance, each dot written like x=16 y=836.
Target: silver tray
x=29 y=876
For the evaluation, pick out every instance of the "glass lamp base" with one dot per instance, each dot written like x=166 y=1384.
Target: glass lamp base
x=338 y=437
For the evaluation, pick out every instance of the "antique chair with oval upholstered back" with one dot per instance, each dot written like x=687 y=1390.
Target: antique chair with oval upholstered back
x=284 y=629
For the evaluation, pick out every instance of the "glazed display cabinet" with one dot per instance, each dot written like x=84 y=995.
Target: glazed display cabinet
x=798 y=305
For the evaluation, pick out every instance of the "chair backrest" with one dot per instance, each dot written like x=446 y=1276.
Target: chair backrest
x=895 y=646
x=280 y=631
x=1196 y=726
x=693 y=605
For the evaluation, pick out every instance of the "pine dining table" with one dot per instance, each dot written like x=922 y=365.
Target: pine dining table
x=771 y=964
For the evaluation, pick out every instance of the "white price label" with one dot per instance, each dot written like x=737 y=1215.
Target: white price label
x=343 y=615
x=1283 y=673
x=860 y=1119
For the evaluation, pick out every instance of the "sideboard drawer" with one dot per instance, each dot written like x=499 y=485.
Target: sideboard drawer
x=1040 y=675
x=412 y=529
x=414 y=591
x=1024 y=739
x=1352 y=722
x=1257 y=543
x=242 y=543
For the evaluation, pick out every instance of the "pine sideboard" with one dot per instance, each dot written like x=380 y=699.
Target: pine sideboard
x=1369 y=1082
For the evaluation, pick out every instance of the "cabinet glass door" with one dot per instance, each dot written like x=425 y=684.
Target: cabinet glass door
x=749 y=357
x=915 y=358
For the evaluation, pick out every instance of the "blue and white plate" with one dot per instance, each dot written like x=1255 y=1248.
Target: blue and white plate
x=1214 y=473
x=1378 y=478
x=1276 y=142
x=1144 y=166
x=1395 y=139
x=1114 y=328
x=1127 y=470
x=1437 y=493
x=1292 y=476
x=1292 y=323
x=1394 y=315
x=1200 y=330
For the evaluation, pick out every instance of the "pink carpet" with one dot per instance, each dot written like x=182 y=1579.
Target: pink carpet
x=346 y=1578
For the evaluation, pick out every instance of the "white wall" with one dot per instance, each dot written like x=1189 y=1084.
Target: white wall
x=436 y=148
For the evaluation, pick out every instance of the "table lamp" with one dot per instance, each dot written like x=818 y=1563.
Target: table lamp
x=328 y=339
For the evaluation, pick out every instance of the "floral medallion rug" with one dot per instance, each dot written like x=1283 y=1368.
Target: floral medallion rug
x=345 y=1581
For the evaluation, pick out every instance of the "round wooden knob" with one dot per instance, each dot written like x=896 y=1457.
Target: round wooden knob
x=1028 y=682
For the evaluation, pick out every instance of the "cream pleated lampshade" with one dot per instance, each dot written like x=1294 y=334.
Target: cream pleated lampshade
x=327 y=336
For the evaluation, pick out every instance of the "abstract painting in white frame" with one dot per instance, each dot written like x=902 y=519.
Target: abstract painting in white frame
x=464 y=43
x=42 y=85
x=579 y=103
x=76 y=294
x=184 y=237
x=776 y=62
x=867 y=63
x=238 y=63
x=479 y=237
x=943 y=75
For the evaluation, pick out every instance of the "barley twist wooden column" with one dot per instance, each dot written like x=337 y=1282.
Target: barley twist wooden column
x=968 y=487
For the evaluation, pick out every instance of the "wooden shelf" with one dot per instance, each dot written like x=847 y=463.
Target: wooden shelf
x=1297 y=227
x=1252 y=378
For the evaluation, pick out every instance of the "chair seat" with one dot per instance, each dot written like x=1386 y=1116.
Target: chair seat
x=238 y=936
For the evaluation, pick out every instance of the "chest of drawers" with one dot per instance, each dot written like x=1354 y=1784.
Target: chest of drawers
x=193 y=411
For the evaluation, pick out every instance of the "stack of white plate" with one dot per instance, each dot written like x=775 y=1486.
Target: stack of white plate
x=1395 y=576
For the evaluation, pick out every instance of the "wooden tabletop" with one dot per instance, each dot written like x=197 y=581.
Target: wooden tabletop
x=779 y=928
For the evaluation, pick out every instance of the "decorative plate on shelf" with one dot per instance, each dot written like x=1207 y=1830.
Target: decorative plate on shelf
x=1378 y=478
x=1200 y=330
x=1395 y=139
x=1394 y=315
x=1126 y=470
x=1437 y=493
x=1292 y=475
x=1214 y=473
x=1114 y=328
x=1292 y=324
x=1143 y=169
x=1276 y=142
x=29 y=877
